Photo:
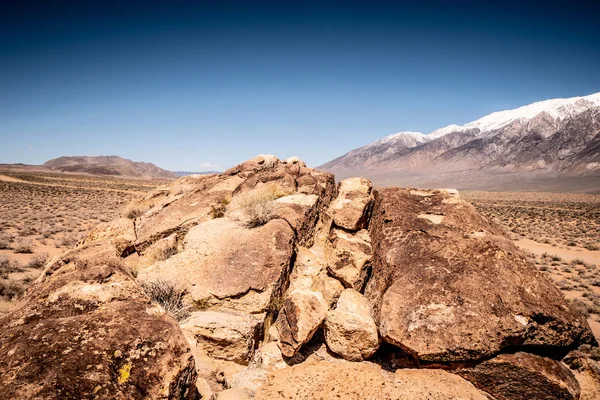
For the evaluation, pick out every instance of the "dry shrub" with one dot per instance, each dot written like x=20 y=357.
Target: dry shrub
x=137 y=208
x=11 y=290
x=7 y=266
x=169 y=296
x=37 y=261
x=23 y=247
x=219 y=210
x=5 y=242
x=256 y=206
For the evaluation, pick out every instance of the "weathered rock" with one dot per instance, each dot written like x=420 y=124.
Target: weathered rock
x=447 y=285
x=350 y=257
x=233 y=394
x=350 y=210
x=350 y=331
x=345 y=380
x=86 y=330
x=302 y=313
x=523 y=376
x=225 y=263
x=587 y=373
x=224 y=335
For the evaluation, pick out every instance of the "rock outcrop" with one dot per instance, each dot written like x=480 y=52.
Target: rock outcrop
x=524 y=376
x=87 y=331
x=449 y=286
x=267 y=282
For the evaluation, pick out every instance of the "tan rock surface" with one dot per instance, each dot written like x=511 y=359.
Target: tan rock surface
x=443 y=293
x=225 y=263
x=350 y=331
x=224 y=335
x=302 y=313
x=523 y=376
x=345 y=380
x=350 y=257
x=587 y=373
x=350 y=209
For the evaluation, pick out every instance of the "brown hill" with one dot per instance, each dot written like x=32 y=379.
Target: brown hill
x=108 y=165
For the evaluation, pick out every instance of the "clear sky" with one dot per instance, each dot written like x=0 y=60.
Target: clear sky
x=205 y=85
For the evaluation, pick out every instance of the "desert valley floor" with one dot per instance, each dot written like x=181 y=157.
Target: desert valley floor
x=42 y=214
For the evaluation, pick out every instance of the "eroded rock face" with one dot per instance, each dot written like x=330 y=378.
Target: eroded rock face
x=447 y=285
x=86 y=330
x=350 y=331
x=350 y=210
x=226 y=264
x=587 y=373
x=302 y=313
x=350 y=257
x=523 y=376
x=224 y=335
x=346 y=380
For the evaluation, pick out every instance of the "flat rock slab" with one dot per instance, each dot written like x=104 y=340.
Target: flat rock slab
x=448 y=285
x=87 y=331
x=345 y=380
x=225 y=263
x=524 y=376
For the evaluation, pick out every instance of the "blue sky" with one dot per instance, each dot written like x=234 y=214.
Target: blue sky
x=206 y=85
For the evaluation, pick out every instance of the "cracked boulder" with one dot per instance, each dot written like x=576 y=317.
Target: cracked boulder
x=347 y=380
x=86 y=330
x=447 y=285
x=350 y=331
x=302 y=313
x=224 y=335
x=349 y=258
x=523 y=376
x=229 y=265
x=350 y=209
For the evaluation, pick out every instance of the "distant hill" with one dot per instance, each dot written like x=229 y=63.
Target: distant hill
x=549 y=145
x=108 y=165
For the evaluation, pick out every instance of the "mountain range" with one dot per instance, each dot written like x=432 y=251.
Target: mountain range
x=548 y=145
x=108 y=165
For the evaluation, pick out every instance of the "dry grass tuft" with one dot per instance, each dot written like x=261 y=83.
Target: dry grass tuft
x=169 y=296
x=255 y=207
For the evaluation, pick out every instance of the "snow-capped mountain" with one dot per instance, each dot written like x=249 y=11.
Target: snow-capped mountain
x=552 y=136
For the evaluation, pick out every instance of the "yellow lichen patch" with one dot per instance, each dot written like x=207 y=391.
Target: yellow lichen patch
x=124 y=373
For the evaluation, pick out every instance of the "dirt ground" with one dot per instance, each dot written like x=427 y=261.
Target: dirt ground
x=42 y=214
x=560 y=232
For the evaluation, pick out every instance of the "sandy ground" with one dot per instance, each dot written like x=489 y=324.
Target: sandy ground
x=591 y=257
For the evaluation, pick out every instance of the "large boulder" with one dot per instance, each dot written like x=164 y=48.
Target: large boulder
x=229 y=265
x=302 y=313
x=86 y=330
x=350 y=209
x=224 y=335
x=349 y=258
x=523 y=376
x=448 y=285
x=350 y=331
x=345 y=380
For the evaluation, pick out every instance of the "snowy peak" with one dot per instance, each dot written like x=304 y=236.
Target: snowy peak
x=408 y=139
x=558 y=109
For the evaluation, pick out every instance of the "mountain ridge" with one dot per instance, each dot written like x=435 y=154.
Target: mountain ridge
x=108 y=165
x=551 y=137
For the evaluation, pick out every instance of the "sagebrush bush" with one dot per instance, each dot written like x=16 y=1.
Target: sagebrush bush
x=11 y=290
x=37 y=261
x=256 y=206
x=23 y=247
x=169 y=296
